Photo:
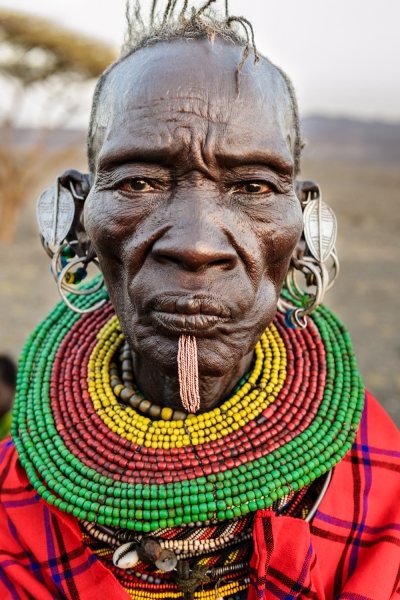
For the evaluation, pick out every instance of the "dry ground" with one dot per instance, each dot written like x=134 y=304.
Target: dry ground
x=366 y=297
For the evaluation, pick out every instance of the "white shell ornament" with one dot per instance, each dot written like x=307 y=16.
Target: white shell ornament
x=55 y=211
x=167 y=561
x=126 y=557
x=320 y=229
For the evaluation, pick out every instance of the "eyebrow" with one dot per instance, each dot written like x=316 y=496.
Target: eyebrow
x=281 y=162
x=113 y=155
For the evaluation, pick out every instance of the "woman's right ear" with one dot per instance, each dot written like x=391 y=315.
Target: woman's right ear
x=59 y=211
x=79 y=184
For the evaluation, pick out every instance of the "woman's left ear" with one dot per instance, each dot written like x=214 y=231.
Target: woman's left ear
x=306 y=190
x=303 y=191
x=314 y=255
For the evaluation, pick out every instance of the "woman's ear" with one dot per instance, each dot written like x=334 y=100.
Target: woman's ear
x=79 y=184
x=304 y=190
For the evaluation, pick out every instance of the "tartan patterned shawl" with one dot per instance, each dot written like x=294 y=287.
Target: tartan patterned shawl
x=351 y=551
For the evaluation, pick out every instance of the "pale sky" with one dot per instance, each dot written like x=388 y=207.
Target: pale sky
x=342 y=55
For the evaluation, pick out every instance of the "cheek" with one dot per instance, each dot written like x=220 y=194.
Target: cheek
x=97 y=221
x=280 y=231
x=110 y=221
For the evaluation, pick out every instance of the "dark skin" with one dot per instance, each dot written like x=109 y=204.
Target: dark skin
x=193 y=212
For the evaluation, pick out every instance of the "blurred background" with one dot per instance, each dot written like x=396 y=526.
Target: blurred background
x=342 y=57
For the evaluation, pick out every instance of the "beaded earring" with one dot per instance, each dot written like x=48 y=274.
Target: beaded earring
x=320 y=232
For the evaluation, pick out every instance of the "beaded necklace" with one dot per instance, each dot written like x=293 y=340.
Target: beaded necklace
x=229 y=568
x=92 y=448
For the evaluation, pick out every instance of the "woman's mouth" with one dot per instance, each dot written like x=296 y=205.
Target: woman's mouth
x=188 y=314
x=187 y=323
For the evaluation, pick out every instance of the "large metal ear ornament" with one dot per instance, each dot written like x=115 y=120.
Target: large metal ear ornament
x=55 y=212
x=320 y=228
x=320 y=265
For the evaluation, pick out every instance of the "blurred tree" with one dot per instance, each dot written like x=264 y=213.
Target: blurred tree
x=44 y=71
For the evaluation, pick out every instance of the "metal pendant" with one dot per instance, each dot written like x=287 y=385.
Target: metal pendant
x=320 y=228
x=55 y=211
x=167 y=561
x=188 y=580
x=126 y=557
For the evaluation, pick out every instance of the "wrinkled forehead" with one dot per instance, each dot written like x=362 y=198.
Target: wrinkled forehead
x=192 y=84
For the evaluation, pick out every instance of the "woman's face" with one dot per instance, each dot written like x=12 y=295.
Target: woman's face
x=193 y=212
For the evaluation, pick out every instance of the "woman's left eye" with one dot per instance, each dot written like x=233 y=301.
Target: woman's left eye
x=136 y=185
x=254 y=187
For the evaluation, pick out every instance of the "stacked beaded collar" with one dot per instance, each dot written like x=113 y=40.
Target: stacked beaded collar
x=92 y=446
x=83 y=451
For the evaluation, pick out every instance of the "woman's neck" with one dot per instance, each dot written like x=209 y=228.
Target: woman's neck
x=164 y=390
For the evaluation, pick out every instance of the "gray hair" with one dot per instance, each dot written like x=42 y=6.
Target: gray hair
x=189 y=23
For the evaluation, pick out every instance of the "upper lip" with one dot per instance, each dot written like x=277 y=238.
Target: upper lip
x=191 y=305
x=189 y=313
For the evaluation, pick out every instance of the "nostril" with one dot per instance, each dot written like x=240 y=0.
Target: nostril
x=206 y=263
x=195 y=263
x=166 y=258
x=223 y=262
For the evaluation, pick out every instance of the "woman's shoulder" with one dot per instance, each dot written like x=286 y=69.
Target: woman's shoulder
x=8 y=465
x=358 y=522
x=377 y=430
x=15 y=488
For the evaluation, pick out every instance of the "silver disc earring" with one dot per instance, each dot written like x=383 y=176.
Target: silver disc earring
x=320 y=232
x=55 y=211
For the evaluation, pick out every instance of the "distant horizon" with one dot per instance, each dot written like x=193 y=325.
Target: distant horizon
x=340 y=139
x=340 y=55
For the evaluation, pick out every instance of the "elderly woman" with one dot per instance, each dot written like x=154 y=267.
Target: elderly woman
x=178 y=436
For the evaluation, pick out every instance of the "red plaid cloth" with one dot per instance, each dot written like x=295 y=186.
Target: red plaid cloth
x=352 y=551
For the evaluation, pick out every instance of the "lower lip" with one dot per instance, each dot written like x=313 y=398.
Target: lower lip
x=180 y=323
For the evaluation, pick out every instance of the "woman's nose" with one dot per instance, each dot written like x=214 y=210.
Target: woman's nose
x=195 y=247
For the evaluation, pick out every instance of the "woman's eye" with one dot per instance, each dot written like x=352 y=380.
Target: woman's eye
x=136 y=185
x=254 y=187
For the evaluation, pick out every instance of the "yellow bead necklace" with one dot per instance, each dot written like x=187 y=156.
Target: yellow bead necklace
x=262 y=387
